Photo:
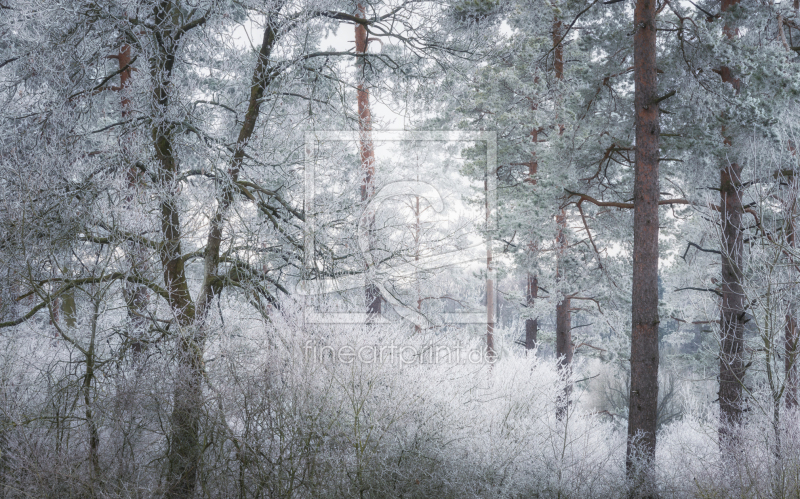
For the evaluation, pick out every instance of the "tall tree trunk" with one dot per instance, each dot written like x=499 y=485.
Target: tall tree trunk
x=88 y=381
x=792 y=376
x=532 y=280
x=792 y=333
x=490 y=290
x=732 y=307
x=367 y=152
x=417 y=241
x=564 y=347
x=563 y=308
x=183 y=454
x=644 y=304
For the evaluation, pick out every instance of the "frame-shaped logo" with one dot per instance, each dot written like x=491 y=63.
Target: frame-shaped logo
x=306 y=287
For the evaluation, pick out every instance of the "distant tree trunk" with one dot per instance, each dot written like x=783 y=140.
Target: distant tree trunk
x=792 y=372
x=88 y=381
x=644 y=307
x=5 y=463
x=417 y=236
x=367 y=150
x=791 y=375
x=531 y=324
x=490 y=295
x=532 y=280
x=68 y=309
x=563 y=308
x=564 y=347
x=733 y=307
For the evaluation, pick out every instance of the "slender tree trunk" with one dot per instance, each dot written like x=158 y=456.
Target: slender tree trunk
x=732 y=307
x=790 y=357
x=417 y=238
x=564 y=347
x=184 y=452
x=490 y=291
x=212 y=282
x=367 y=151
x=5 y=425
x=88 y=380
x=642 y=417
x=792 y=377
x=531 y=324
x=532 y=280
x=563 y=308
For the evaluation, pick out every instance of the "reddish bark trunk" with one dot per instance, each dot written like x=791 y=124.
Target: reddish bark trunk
x=532 y=281
x=558 y=52
x=366 y=150
x=644 y=304
x=564 y=347
x=733 y=306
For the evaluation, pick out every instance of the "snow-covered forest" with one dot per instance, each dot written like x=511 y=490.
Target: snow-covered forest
x=399 y=248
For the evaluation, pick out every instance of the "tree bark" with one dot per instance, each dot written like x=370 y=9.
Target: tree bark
x=212 y=282
x=791 y=375
x=183 y=454
x=733 y=306
x=532 y=280
x=490 y=291
x=367 y=151
x=644 y=300
x=564 y=347
x=531 y=325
